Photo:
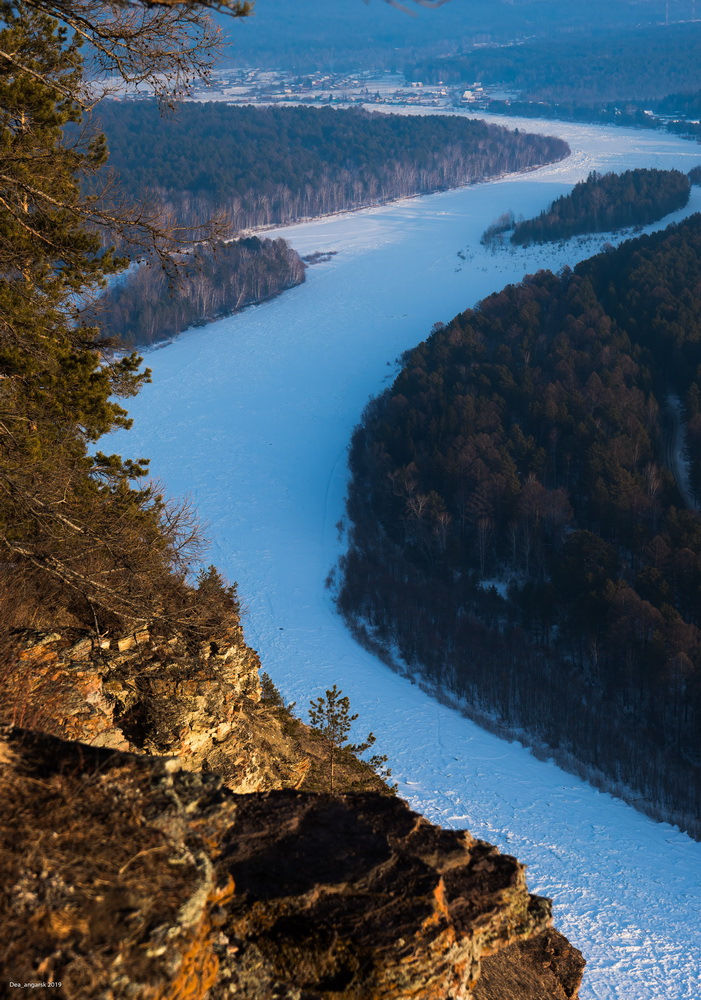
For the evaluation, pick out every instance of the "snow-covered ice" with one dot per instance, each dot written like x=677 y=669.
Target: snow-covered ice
x=251 y=416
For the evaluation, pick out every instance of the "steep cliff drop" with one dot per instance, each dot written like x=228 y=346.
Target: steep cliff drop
x=131 y=875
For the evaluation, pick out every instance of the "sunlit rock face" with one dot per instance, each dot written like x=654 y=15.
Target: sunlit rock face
x=143 y=694
x=127 y=876
x=132 y=691
x=357 y=897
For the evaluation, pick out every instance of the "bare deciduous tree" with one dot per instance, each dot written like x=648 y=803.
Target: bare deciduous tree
x=166 y=45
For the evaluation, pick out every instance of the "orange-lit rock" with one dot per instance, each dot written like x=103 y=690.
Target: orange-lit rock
x=147 y=880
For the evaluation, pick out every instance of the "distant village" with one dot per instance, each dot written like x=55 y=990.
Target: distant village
x=265 y=87
x=257 y=86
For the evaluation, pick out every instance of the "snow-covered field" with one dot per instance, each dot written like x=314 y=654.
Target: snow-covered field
x=251 y=416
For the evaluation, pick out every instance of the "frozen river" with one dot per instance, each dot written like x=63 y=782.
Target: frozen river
x=251 y=417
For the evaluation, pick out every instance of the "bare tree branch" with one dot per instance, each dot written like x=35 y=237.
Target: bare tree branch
x=167 y=45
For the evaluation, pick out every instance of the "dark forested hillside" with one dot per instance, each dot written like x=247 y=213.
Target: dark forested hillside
x=314 y=34
x=524 y=527
x=584 y=67
x=680 y=104
x=260 y=166
x=604 y=203
x=142 y=309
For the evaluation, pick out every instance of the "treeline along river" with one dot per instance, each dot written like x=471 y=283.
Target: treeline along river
x=524 y=444
x=257 y=166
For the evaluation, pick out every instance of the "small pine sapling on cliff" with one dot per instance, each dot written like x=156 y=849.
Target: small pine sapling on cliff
x=331 y=716
x=270 y=693
x=217 y=601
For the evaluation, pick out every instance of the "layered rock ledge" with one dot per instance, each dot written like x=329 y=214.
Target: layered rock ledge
x=126 y=876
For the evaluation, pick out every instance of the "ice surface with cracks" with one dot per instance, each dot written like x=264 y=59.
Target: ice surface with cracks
x=252 y=416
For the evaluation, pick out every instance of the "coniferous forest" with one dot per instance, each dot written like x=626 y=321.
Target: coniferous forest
x=524 y=516
x=258 y=166
x=607 y=202
x=146 y=306
x=85 y=542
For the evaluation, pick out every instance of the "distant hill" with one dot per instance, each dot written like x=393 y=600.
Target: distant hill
x=310 y=33
x=593 y=65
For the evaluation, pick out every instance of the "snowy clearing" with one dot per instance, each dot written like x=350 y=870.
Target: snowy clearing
x=251 y=416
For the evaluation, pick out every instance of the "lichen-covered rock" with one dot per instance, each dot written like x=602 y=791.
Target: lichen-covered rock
x=107 y=877
x=357 y=897
x=125 y=877
x=546 y=967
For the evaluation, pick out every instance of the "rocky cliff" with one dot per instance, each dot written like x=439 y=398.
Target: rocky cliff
x=130 y=875
x=143 y=694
